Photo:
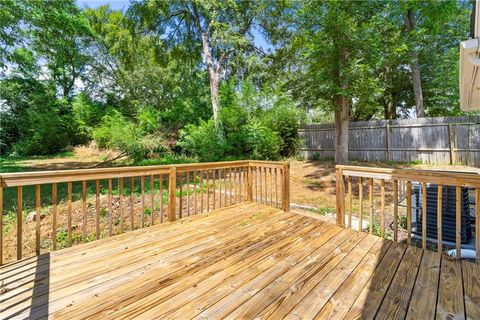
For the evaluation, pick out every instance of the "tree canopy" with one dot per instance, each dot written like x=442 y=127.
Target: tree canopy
x=216 y=79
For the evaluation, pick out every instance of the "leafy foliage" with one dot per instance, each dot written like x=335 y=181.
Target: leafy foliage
x=144 y=81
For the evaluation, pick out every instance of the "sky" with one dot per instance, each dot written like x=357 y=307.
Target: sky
x=114 y=4
x=259 y=40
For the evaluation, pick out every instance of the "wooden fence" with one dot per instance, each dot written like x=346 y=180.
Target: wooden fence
x=449 y=140
x=77 y=206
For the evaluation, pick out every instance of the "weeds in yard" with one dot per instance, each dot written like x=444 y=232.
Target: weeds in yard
x=323 y=211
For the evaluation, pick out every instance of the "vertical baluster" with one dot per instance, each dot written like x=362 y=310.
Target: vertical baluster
x=180 y=209
x=409 y=212
x=37 y=219
x=276 y=188
x=97 y=209
x=266 y=185
x=271 y=185
x=172 y=190
x=220 y=179
x=382 y=208
x=395 y=210
x=235 y=184
x=261 y=184
x=458 y=224
x=132 y=201
x=69 y=213
x=257 y=184
x=214 y=187
x=227 y=187
x=350 y=205
x=194 y=192
x=142 y=190
x=110 y=210
x=286 y=188
x=360 y=200
x=208 y=190
x=370 y=196
x=439 y=218
x=84 y=211
x=160 y=180
x=201 y=191
x=477 y=222
x=54 y=216
x=120 y=200
x=424 y=215
x=19 y=222
x=240 y=184
x=188 y=193
x=152 y=200
x=231 y=184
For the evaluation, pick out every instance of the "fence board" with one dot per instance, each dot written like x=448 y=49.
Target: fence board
x=427 y=140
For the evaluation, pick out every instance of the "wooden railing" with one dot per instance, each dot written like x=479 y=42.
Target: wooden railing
x=396 y=185
x=76 y=206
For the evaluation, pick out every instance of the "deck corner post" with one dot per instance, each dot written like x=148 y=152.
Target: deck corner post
x=172 y=188
x=340 y=190
x=286 y=188
x=249 y=183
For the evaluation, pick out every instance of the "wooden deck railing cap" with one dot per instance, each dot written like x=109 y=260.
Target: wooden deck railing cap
x=446 y=177
x=55 y=176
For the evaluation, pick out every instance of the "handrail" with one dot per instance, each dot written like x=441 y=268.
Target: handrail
x=54 y=176
x=462 y=179
x=155 y=194
x=401 y=187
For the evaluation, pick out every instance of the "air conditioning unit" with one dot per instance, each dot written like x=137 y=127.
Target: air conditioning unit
x=449 y=198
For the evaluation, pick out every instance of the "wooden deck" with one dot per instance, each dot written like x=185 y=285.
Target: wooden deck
x=243 y=261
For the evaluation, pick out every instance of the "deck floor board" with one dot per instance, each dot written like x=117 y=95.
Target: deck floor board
x=241 y=262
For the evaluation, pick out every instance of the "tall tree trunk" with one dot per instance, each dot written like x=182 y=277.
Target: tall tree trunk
x=415 y=68
x=214 y=77
x=342 y=121
x=342 y=114
x=214 y=83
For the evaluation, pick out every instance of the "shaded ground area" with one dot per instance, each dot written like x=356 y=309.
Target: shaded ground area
x=79 y=158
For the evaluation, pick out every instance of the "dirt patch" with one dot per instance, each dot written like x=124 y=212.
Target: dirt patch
x=82 y=157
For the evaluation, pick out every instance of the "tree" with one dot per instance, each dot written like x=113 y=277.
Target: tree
x=335 y=49
x=59 y=37
x=221 y=28
x=429 y=25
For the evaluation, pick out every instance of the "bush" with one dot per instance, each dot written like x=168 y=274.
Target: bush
x=201 y=141
x=87 y=114
x=118 y=133
x=263 y=143
x=46 y=134
x=284 y=120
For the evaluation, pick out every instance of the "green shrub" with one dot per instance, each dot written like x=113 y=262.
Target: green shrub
x=45 y=134
x=284 y=120
x=87 y=114
x=118 y=133
x=263 y=142
x=201 y=141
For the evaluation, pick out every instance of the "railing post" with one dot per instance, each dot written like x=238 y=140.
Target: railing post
x=249 y=183
x=172 y=188
x=340 y=191
x=286 y=188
